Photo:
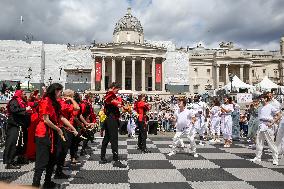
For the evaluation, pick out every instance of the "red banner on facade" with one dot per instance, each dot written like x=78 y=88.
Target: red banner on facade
x=98 y=71
x=158 y=73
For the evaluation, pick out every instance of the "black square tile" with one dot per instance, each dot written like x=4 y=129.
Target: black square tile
x=136 y=142
x=168 y=185
x=135 y=151
x=163 y=145
x=252 y=155
x=150 y=164
x=267 y=184
x=161 y=138
x=235 y=163
x=183 y=156
x=97 y=157
x=100 y=176
x=207 y=175
x=209 y=150
x=109 y=146
x=10 y=176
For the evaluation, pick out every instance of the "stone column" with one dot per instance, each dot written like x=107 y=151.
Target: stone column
x=227 y=74
x=250 y=74
x=217 y=76
x=143 y=74
x=153 y=74
x=123 y=74
x=113 y=69
x=103 y=74
x=133 y=74
x=93 y=74
x=242 y=73
x=163 y=75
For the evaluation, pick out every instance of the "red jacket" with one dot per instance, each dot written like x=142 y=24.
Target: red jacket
x=141 y=108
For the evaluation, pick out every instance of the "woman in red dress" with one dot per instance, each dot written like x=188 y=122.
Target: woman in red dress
x=47 y=134
x=33 y=103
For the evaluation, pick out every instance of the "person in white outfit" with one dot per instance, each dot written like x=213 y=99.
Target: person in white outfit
x=215 y=114
x=268 y=116
x=184 y=126
x=200 y=119
x=227 y=108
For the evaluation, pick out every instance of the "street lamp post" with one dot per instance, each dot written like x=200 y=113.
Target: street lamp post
x=231 y=80
x=29 y=77
x=50 y=80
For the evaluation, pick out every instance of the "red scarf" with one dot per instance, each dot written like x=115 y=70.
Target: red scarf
x=17 y=96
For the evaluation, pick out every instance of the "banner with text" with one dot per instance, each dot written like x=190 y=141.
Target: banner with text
x=244 y=98
x=158 y=73
x=98 y=71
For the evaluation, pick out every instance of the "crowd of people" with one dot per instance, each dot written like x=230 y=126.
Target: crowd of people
x=45 y=128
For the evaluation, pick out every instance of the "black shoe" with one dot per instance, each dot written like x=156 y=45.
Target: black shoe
x=146 y=151
x=61 y=176
x=11 y=166
x=22 y=161
x=119 y=164
x=103 y=161
x=50 y=184
x=88 y=148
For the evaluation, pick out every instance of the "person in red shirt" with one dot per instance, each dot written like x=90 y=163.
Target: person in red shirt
x=141 y=107
x=46 y=135
x=33 y=102
x=68 y=106
x=111 y=124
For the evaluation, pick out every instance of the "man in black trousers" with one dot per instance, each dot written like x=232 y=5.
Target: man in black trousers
x=111 y=124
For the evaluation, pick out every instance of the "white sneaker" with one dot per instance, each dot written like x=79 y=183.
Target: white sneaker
x=275 y=162
x=212 y=141
x=217 y=141
x=255 y=160
x=171 y=153
x=170 y=145
x=195 y=155
x=201 y=144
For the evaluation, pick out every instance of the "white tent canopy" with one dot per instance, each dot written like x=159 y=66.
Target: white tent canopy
x=266 y=84
x=237 y=84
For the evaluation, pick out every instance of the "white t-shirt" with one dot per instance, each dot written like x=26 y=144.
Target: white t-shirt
x=183 y=118
x=276 y=104
x=267 y=113
x=229 y=107
x=215 y=111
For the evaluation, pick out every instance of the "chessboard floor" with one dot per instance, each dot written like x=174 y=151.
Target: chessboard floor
x=215 y=168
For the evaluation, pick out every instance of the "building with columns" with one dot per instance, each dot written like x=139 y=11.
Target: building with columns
x=127 y=60
x=210 y=68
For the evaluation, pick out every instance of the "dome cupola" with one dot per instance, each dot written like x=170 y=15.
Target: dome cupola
x=128 y=29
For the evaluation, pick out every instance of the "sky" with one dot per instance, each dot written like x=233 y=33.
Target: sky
x=257 y=24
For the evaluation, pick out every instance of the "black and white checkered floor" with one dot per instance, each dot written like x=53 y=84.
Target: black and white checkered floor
x=216 y=167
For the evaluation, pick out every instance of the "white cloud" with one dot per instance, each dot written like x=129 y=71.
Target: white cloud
x=250 y=24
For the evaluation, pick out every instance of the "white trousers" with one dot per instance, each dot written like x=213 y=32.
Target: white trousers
x=228 y=125
x=267 y=135
x=200 y=125
x=280 y=139
x=190 y=134
x=131 y=127
x=215 y=126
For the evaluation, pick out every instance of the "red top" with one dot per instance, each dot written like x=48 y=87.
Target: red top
x=46 y=108
x=141 y=107
x=67 y=109
x=86 y=109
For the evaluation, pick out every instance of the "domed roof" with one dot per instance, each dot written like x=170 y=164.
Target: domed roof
x=128 y=23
